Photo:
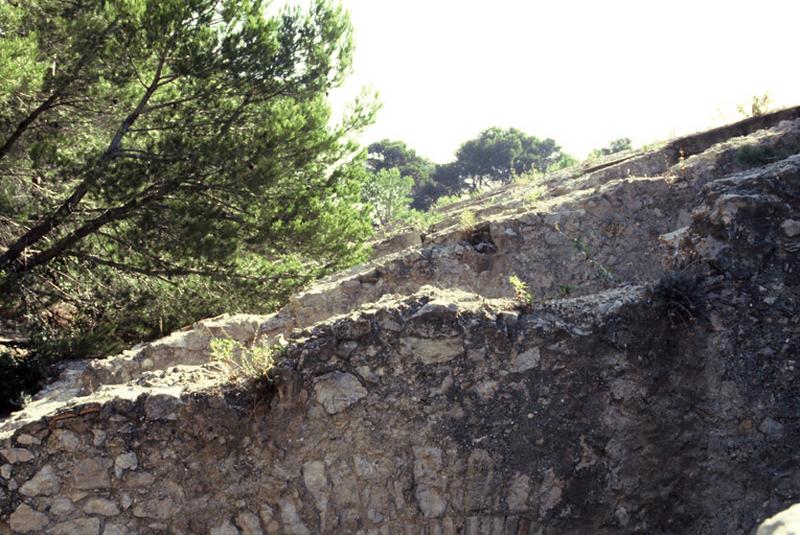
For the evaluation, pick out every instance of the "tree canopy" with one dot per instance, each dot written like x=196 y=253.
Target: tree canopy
x=155 y=149
x=497 y=154
x=394 y=154
x=389 y=194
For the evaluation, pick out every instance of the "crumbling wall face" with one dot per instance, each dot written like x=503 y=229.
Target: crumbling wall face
x=437 y=414
x=664 y=407
x=604 y=230
x=588 y=245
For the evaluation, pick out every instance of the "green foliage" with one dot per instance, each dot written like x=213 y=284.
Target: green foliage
x=254 y=362
x=164 y=160
x=466 y=220
x=391 y=154
x=534 y=190
x=530 y=177
x=535 y=194
x=420 y=220
x=564 y=161
x=758 y=105
x=447 y=200
x=389 y=194
x=496 y=155
x=755 y=154
x=618 y=145
x=19 y=375
x=521 y=291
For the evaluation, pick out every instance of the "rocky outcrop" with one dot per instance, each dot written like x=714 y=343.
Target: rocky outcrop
x=649 y=388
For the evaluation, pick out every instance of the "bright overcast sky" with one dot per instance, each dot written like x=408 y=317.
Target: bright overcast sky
x=581 y=72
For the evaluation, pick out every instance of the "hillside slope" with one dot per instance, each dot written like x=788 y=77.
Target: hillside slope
x=649 y=388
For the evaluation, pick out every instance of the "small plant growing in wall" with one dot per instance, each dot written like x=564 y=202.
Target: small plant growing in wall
x=680 y=297
x=757 y=106
x=241 y=361
x=521 y=291
x=466 y=220
x=535 y=194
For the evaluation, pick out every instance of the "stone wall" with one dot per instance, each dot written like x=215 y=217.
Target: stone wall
x=653 y=402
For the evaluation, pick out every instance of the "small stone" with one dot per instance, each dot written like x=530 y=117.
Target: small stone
x=365 y=467
x=5 y=471
x=17 y=455
x=26 y=520
x=99 y=437
x=432 y=351
x=344 y=349
x=28 y=440
x=157 y=508
x=486 y=389
x=77 y=495
x=61 y=507
x=13 y=485
x=518 y=493
x=92 y=474
x=388 y=324
x=622 y=516
x=550 y=491
x=791 y=228
x=316 y=482
x=126 y=501
x=161 y=407
x=226 y=528
x=80 y=526
x=337 y=390
x=526 y=360
x=292 y=524
x=267 y=514
x=351 y=328
x=508 y=318
x=437 y=309
x=770 y=427
x=100 y=506
x=139 y=479
x=115 y=529
x=429 y=485
x=248 y=523
x=125 y=461
x=65 y=440
x=44 y=483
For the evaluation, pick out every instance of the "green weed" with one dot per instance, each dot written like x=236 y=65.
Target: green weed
x=241 y=361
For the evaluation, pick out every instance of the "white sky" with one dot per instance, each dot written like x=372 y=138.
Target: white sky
x=581 y=72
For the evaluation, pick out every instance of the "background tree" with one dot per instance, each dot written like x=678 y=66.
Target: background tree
x=389 y=194
x=166 y=159
x=615 y=146
x=393 y=154
x=497 y=154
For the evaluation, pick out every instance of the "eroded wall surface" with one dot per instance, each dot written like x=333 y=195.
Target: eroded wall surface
x=662 y=401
